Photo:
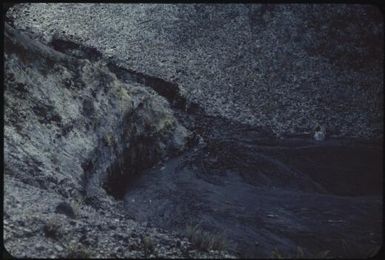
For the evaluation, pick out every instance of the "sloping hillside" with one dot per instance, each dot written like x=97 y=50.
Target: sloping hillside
x=193 y=130
x=283 y=67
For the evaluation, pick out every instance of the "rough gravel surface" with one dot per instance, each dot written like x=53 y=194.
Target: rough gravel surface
x=283 y=67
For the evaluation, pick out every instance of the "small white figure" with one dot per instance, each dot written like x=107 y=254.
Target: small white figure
x=320 y=133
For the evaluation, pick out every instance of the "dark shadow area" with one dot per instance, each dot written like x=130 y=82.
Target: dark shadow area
x=140 y=156
x=76 y=50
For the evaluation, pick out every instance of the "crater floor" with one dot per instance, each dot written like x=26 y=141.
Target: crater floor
x=322 y=197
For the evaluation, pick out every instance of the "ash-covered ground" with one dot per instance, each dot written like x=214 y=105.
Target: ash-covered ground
x=193 y=130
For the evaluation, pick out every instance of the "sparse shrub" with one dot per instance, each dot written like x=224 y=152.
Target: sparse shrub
x=122 y=93
x=109 y=139
x=52 y=228
x=373 y=251
x=76 y=206
x=77 y=252
x=276 y=254
x=148 y=245
x=204 y=240
x=323 y=254
x=300 y=254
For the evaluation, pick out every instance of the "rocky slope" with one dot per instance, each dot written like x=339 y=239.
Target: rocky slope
x=74 y=134
x=126 y=125
x=283 y=67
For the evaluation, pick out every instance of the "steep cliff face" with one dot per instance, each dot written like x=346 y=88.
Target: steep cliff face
x=283 y=67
